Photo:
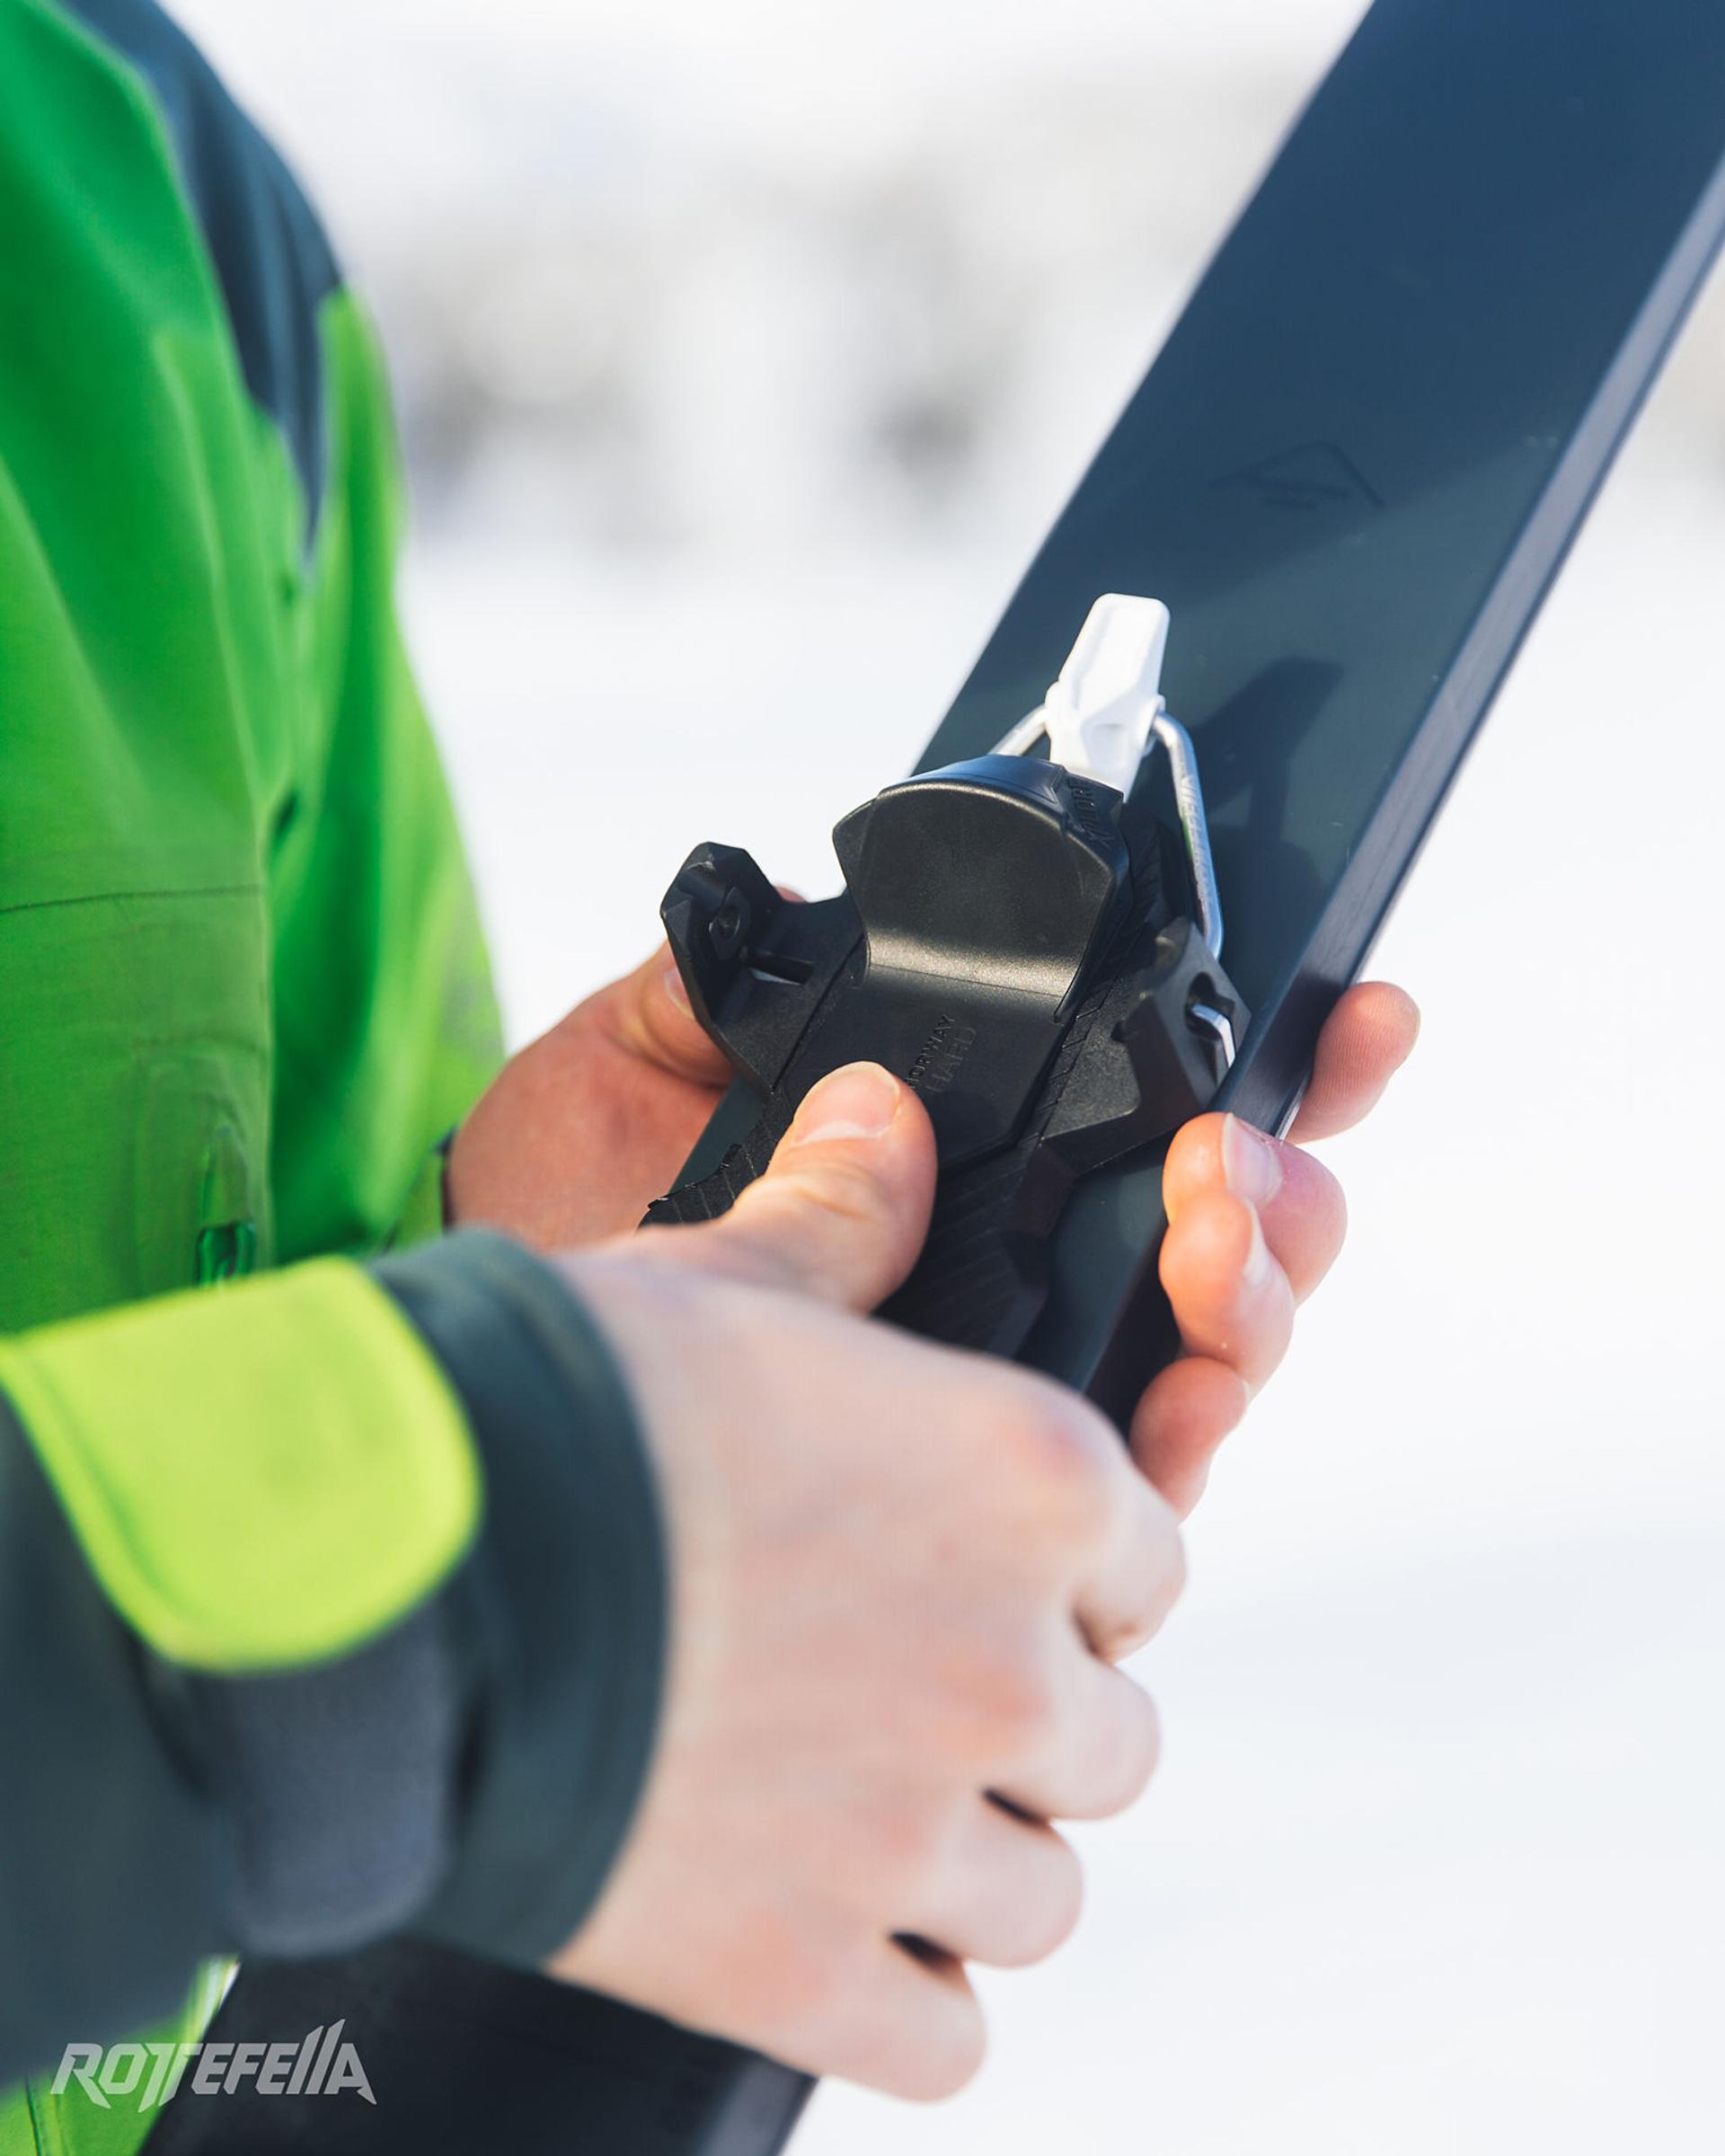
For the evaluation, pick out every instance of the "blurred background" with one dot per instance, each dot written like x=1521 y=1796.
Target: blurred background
x=744 y=354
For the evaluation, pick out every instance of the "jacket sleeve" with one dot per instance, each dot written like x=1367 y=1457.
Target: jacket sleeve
x=246 y=993
x=386 y=1025
x=330 y=1602
x=331 y=1605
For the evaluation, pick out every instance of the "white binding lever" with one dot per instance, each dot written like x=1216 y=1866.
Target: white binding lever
x=1098 y=715
x=1099 y=718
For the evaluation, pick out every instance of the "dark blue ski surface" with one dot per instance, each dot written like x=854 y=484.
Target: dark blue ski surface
x=1352 y=474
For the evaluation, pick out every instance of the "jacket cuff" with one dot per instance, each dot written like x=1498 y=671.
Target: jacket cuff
x=558 y=1610
x=260 y=1477
x=113 y=1877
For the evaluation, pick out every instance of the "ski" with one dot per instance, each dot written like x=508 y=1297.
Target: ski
x=1349 y=478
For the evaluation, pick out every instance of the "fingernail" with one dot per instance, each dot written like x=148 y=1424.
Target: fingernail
x=859 y=1101
x=675 y=989
x=1256 y=1269
x=1251 y=1165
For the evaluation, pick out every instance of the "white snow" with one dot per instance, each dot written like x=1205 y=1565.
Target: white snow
x=1435 y=1862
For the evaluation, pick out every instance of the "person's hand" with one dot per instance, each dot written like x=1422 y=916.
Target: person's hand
x=900 y=1577
x=862 y=1589
x=1254 y=1224
x=589 y=1122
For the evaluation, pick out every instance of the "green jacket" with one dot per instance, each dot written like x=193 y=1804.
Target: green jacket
x=243 y=995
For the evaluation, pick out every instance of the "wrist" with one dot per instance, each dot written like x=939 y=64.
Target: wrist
x=558 y=1615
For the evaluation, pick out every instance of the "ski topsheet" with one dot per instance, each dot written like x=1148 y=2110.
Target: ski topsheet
x=1351 y=474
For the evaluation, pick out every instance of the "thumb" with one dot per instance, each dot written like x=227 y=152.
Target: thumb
x=842 y=1209
x=648 y=1014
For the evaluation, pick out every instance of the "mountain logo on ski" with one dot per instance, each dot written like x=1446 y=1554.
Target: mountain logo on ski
x=1311 y=477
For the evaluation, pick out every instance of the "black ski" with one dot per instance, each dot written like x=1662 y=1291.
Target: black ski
x=1351 y=474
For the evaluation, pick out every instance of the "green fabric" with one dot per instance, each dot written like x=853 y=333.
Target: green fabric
x=241 y=998
x=238 y=993
x=422 y=1217
x=230 y=1463
x=244 y=987
x=39 y=2124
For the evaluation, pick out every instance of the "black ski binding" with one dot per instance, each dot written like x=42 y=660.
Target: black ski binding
x=1037 y=961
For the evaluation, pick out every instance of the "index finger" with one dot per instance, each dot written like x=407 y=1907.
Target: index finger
x=1365 y=1041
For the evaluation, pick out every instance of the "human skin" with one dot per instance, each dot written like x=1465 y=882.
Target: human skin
x=590 y=1123
x=902 y=1575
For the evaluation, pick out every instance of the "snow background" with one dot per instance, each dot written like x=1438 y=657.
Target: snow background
x=745 y=353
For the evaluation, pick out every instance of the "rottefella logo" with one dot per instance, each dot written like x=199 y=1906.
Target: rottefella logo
x=319 y=2064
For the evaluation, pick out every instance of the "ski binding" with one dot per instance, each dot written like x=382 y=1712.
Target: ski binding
x=1038 y=959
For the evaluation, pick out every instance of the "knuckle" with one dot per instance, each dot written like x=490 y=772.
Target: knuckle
x=813 y=2006
x=1149 y=1747
x=792 y=1988
x=1067 y=1901
x=1133 y=1627
x=920 y=2040
x=1132 y=1751
x=1063 y=1904
x=1012 y=1702
x=908 y=1842
x=937 y=2053
x=1050 y=1915
x=1028 y=1713
x=1060 y=1456
x=800 y=1221
x=845 y=1189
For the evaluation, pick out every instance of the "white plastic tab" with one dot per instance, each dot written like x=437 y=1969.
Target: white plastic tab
x=1098 y=715
x=1099 y=718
